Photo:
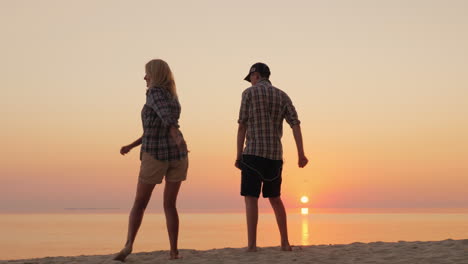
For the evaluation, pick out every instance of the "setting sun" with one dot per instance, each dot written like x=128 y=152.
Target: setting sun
x=304 y=199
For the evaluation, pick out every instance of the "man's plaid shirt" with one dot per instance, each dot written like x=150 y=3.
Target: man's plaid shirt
x=160 y=112
x=263 y=109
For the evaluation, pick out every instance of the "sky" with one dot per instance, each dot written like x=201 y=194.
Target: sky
x=380 y=88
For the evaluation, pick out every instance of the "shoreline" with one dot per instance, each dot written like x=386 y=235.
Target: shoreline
x=434 y=252
x=293 y=210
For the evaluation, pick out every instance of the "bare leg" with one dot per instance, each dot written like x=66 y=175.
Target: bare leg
x=143 y=195
x=251 y=210
x=172 y=217
x=280 y=214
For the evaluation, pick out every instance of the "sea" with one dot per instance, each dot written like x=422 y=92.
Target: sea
x=24 y=236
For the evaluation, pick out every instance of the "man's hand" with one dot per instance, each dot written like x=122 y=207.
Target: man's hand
x=237 y=164
x=303 y=161
x=125 y=149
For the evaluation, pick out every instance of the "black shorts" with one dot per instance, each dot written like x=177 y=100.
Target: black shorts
x=257 y=170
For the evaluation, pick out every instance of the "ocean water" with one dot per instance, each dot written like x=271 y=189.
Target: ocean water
x=40 y=235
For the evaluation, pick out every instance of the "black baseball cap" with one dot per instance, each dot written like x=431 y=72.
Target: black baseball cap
x=259 y=67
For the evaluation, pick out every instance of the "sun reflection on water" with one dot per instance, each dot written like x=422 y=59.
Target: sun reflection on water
x=305 y=230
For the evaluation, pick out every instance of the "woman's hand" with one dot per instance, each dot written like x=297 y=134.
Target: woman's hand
x=183 y=146
x=125 y=149
x=178 y=139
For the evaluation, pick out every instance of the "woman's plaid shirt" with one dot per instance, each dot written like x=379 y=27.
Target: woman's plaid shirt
x=160 y=112
x=263 y=109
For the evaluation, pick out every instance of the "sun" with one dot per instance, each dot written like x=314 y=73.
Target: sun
x=304 y=199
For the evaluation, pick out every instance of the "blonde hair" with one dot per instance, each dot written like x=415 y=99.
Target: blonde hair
x=161 y=75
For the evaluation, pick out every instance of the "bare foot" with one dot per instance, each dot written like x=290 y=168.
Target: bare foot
x=174 y=255
x=286 y=247
x=290 y=248
x=251 y=249
x=122 y=255
x=294 y=248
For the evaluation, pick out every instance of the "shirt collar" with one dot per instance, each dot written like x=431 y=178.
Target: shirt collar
x=151 y=88
x=264 y=80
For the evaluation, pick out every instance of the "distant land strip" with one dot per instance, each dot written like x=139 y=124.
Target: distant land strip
x=93 y=208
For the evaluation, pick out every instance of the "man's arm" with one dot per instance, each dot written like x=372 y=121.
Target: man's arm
x=300 y=147
x=241 y=131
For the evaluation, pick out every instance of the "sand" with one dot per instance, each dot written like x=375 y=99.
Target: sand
x=434 y=252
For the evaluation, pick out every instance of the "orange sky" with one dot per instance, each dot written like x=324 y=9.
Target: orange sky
x=380 y=88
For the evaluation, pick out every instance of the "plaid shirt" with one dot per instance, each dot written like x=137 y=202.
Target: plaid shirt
x=160 y=112
x=263 y=109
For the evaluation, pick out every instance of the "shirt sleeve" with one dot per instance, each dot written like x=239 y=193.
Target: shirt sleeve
x=290 y=113
x=244 y=109
x=158 y=101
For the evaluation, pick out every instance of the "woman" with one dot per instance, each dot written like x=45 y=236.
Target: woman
x=163 y=154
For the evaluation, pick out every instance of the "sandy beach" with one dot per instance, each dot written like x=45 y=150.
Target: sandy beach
x=434 y=252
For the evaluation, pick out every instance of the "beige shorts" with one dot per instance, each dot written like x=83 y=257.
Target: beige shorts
x=152 y=171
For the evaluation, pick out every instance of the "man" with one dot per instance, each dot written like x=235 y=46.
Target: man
x=263 y=109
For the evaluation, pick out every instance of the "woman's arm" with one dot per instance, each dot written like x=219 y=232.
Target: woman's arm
x=125 y=149
x=157 y=100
